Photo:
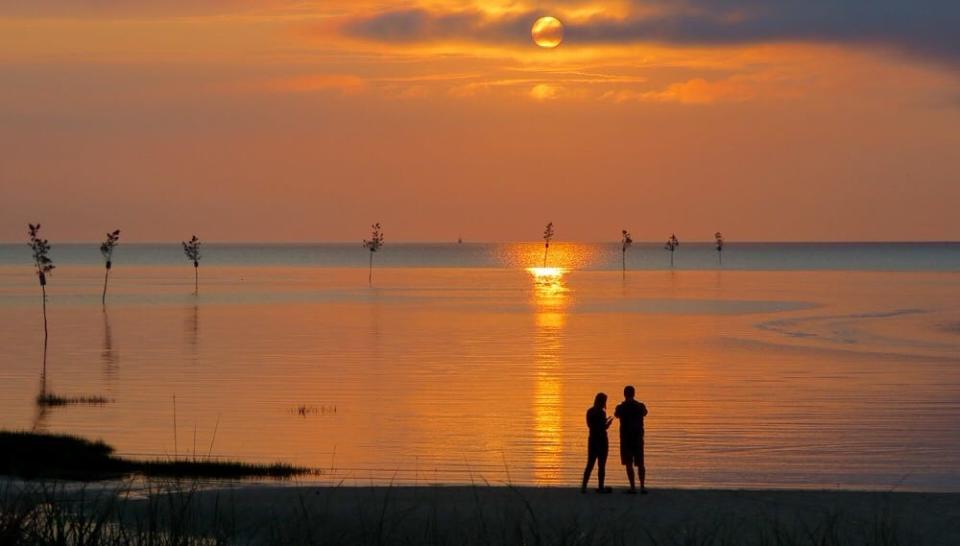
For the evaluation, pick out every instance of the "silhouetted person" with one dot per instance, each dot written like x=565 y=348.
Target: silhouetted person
x=631 y=414
x=597 y=444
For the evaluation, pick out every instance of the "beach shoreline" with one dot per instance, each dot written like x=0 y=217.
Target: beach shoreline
x=455 y=514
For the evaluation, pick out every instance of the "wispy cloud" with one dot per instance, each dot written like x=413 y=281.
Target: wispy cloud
x=702 y=91
x=423 y=25
x=342 y=83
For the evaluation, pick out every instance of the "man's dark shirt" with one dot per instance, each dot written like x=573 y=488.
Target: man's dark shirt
x=631 y=414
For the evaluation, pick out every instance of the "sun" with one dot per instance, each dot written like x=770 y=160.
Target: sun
x=547 y=32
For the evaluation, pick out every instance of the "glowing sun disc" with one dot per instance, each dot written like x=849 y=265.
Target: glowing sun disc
x=547 y=32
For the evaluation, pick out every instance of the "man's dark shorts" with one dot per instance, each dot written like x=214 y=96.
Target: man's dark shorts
x=631 y=452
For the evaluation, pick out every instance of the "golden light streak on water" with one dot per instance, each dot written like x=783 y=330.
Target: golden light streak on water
x=550 y=299
x=547 y=274
x=565 y=256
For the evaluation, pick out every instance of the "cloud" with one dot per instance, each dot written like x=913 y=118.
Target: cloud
x=923 y=28
x=343 y=83
x=421 y=25
x=544 y=91
x=127 y=8
x=701 y=91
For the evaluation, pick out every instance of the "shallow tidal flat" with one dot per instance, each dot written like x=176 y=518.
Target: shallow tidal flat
x=797 y=379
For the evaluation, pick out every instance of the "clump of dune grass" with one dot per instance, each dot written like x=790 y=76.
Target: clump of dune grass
x=62 y=515
x=32 y=455
x=47 y=399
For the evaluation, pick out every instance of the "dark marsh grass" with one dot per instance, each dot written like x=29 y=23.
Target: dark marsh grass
x=30 y=455
x=304 y=410
x=51 y=400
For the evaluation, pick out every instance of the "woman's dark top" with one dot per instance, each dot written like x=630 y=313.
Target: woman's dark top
x=597 y=423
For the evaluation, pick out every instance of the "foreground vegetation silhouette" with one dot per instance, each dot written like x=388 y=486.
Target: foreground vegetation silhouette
x=170 y=512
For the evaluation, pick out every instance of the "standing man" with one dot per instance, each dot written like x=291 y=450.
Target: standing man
x=631 y=414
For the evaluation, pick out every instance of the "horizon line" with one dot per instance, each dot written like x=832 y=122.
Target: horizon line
x=537 y=241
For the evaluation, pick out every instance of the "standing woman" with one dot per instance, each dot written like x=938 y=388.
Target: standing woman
x=597 y=445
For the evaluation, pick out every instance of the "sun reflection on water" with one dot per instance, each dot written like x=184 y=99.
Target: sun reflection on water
x=547 y=274
x=563 y=255
x=550 y=299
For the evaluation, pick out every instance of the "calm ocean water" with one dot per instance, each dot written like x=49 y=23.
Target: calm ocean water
x=798 y=365
x=597 y=256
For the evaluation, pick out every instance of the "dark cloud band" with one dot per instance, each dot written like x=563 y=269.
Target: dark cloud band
x=927 y=28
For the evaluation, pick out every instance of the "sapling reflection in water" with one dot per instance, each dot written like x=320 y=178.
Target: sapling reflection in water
x=625 y=242
x=106 y=249
x=547 y=237
x=192 y=249
x=719 y=238
x=672 y=245
x=44 y=265
x=373 y=244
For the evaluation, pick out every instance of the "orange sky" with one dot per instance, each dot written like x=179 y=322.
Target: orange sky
x=244 y=120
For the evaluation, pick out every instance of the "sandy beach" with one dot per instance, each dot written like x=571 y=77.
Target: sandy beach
x=526 y=515
x=193 y=513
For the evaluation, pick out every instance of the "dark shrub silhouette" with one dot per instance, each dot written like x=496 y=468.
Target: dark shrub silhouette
x=373 y=245
x=106 y=249
x=547 y=237
x=192 y=249
x=672 y=245
x=44 y=265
